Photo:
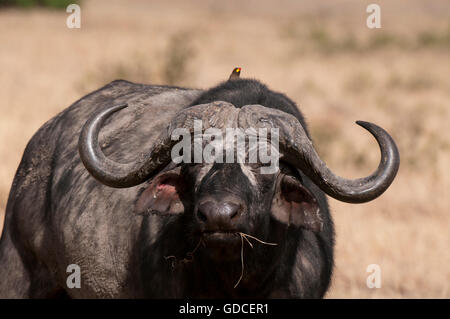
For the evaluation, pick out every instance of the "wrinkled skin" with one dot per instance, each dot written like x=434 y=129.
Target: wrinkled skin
x=126 y=247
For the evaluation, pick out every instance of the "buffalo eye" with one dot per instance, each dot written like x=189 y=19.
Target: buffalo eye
x=293 y=204
x=162 y=195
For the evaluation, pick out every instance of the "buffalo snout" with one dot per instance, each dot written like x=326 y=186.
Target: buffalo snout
x=219 y=215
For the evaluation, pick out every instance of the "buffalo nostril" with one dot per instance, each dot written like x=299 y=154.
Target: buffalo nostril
x=234 y=210
x=201 y=216
x=217 y=215
x=204 y=211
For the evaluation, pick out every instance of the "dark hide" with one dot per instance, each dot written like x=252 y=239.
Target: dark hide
x=131 y=246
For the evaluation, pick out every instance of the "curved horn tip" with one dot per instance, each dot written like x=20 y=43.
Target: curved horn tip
x=118 y=107
x=366 y=125
x=104 y=113
x=377 y=131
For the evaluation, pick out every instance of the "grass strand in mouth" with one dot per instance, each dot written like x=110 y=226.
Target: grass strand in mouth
x=246 y=236
x=242 y=261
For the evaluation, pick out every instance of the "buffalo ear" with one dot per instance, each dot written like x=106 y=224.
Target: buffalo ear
x=294 y=205
x=162 y=195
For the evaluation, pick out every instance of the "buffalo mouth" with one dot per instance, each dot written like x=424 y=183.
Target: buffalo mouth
x=224 y=238
x=222 y=245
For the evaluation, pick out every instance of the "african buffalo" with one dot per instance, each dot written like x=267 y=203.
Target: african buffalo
x=97 y=188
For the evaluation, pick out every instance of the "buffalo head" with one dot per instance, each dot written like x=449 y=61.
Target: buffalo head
x=219 y=201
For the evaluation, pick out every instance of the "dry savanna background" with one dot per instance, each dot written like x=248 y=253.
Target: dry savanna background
x=319 y=53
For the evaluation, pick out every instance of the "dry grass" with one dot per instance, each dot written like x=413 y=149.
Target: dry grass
x=320 y=54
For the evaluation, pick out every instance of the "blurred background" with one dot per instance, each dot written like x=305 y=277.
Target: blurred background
x=319 y=53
